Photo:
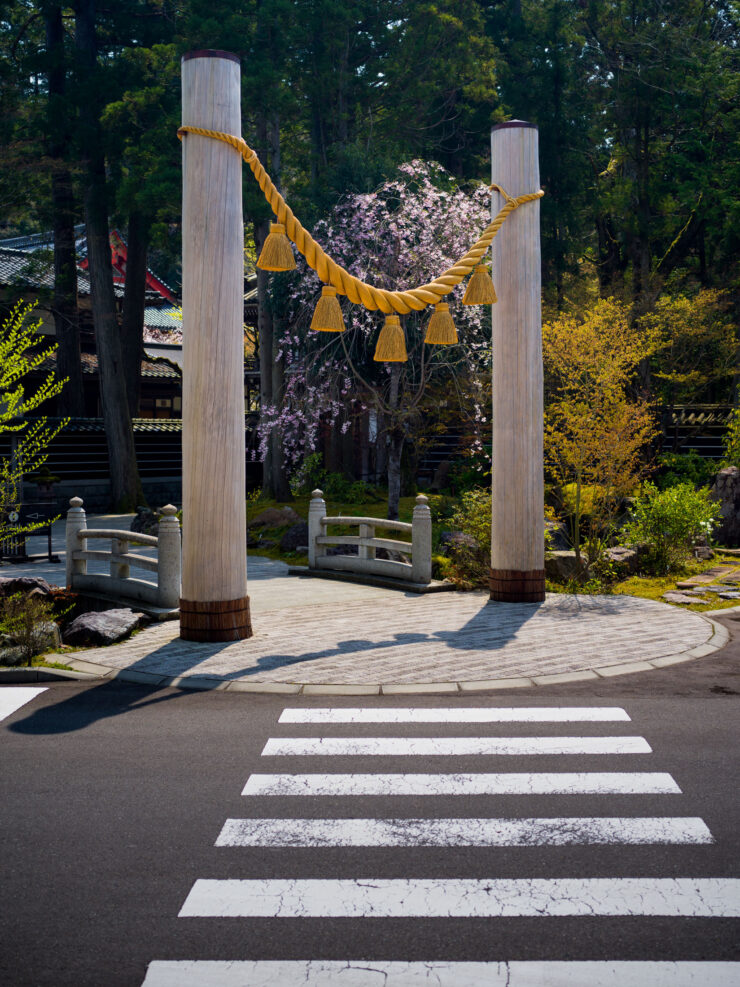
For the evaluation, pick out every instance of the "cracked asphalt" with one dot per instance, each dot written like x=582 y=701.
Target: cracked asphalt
x=112 y=797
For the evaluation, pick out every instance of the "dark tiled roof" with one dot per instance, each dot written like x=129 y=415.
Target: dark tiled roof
x=35 y=269
x=153 y=366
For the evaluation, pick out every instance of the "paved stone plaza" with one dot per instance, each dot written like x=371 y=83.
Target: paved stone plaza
x=316 y=635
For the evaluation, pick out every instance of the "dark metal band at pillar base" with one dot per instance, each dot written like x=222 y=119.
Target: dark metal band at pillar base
x=215 y=620
x=516 y=586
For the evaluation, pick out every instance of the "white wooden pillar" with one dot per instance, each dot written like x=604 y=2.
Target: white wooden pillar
x=517 y=527
x=214 y=605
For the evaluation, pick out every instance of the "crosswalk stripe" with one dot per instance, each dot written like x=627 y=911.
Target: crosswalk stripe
x=367 y=973
x=532 y=714
x=463 y=898
x=506 y=783
x=13 y=697
x=563 y=831
x=452 y=746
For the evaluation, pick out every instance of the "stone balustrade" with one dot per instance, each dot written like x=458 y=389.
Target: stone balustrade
x=419 y=548
x=119 y=583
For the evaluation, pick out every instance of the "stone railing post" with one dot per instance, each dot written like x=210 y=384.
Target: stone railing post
x=316 y=514
x=76 y=521
x=366 y=551
x=119 y=570
x=421 y=542
x=168 y=558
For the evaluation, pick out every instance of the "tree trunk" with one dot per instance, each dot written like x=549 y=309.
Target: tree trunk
x=134 y=298
x=71 y=402
x=395 y=449
x=280 y=486
x=126 y=491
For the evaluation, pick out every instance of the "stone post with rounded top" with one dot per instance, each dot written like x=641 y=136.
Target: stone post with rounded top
x=316 y=514
x=76 y=521
x=168 y=558
x=421 y=541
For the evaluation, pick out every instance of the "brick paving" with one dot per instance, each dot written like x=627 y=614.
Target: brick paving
x=457 y=640
x=316 y=636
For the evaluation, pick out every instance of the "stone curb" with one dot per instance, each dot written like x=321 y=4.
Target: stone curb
x=86 y=669
x=41 y=674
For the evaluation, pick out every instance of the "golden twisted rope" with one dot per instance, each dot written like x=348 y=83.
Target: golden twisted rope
x=330 y=272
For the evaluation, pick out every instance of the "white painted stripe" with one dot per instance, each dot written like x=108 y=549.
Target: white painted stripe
x=369 y=973
x=451 y=746
x=464 y=898
x=13 y=697
x=563 y=831
x=509 y=714
x=508 y=783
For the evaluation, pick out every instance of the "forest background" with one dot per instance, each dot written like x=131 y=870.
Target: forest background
x=637 y=105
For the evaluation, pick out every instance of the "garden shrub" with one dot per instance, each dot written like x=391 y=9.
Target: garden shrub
x=731 y=440
x=470 y=565
x=670 y=522
x=311 y=476
x=685 y=467
x=22 y=618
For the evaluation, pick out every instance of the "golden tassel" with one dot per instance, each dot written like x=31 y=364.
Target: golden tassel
x=480 y=290
x=327 y=316
x=441 y=328
x=277 y=254
x=391 y=346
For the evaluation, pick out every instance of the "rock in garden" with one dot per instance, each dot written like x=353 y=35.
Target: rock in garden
x=559 y=541
x=146 y=522
x=726 y=491
x=275 y=517
x=562 y=566
x=451 y=540
x=391 y=556
x=103 y=627
x=342 y=550
x=294 y=536
x=730 y=595
x=673 y=596
x=24 y=584
x=626 y=559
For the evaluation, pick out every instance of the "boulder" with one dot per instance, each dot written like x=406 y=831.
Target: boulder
x=563 y=566
x=24 y=584
x=392 y=556
x=275 y=517
x=449 y=541
x=342 y=550
x=627 y=559
x=146 y=522
x=726 y=491
x=296 y=535
x=105 y=627
x=559 y=541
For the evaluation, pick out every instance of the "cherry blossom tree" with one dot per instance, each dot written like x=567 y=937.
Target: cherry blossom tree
x=402 y=235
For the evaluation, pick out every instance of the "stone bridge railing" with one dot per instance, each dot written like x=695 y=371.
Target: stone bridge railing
x=165 y=592
x=419 y=548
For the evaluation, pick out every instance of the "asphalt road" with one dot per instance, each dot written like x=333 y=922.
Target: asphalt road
x=112 y=798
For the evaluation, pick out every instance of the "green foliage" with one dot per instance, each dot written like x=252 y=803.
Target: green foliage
x=469 y=565
x=20 y=354
x=731 y=441
x=20 y=618
x=684 y=467
x=670 y=522
x=311 y=475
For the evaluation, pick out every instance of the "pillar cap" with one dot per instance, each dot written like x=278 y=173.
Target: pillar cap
x=169 y=510
x=75 y=502
x=211 y=53
x=514 y=123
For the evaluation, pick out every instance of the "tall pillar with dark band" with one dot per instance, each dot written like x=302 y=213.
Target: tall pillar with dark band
x=517 y=527
x=214 y=605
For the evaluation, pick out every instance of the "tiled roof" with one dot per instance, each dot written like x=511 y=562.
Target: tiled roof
x=35 y=269
x=139 y=425
x=164 y=317
x=157 y=366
